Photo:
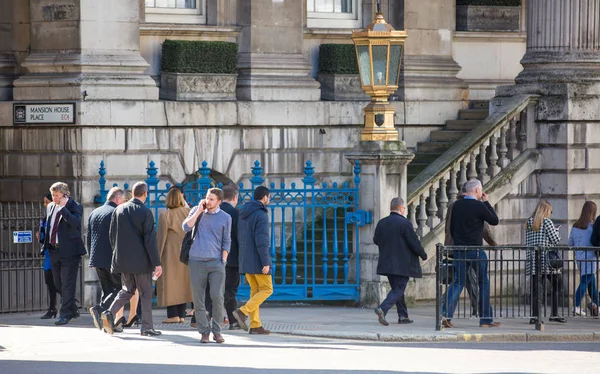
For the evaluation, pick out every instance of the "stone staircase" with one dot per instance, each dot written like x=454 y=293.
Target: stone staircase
x=441 y=140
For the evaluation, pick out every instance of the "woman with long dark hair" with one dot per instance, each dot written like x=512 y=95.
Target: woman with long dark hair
x=587 y=260
x=48 y=277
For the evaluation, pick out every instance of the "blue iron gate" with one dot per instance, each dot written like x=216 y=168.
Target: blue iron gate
x=314 y=230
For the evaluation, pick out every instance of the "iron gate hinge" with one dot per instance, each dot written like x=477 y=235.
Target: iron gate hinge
x=360 y=217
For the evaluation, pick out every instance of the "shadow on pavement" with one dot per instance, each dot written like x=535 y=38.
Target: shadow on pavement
x=50 y=367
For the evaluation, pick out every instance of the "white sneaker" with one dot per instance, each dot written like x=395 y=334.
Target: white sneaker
x=578 y=312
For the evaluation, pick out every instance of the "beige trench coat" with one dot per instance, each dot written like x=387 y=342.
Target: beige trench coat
x=173 y=286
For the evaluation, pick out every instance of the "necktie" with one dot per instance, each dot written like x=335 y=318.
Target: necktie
x=55 y=228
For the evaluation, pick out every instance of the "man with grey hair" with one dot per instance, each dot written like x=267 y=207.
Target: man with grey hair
x=98 y=243
x=135 y=257
x=64 y=242
x=467 y=222
x=399 y=252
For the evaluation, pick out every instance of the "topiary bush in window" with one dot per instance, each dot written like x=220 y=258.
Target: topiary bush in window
x=200 y=57
x=337 y=59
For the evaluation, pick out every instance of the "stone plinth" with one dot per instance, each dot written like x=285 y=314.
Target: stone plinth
x=85 y=45
x=383 y=177
x=341 y=87
x=198 y=87
x=273 y=69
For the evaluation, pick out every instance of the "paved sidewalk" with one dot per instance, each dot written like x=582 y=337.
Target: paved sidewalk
x=361 y=324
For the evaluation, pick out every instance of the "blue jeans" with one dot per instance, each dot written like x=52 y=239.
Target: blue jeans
x=588 y=281
x=396 y=296
x=476 y=259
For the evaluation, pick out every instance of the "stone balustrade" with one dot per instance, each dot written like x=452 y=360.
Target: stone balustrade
x=483 y=154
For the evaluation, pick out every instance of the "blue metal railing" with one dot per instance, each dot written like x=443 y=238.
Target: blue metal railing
x=317 y=223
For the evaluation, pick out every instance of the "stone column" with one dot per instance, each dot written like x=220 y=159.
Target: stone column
x=383 y=177
x=14 y=43
x=430 y=81
x=273 y=68
x=85 y=46
x=563 y=41
x=562 y=65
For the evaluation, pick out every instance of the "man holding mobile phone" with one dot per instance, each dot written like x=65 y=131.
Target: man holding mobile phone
x=64 y=242
x=208 y=258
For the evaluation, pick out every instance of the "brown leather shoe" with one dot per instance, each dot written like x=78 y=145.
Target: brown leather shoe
x=493 y=324
x=259 y=330
x=447 y=323
x=205 y=338
x=241 y=319
x=218 y=338
x=172 y=320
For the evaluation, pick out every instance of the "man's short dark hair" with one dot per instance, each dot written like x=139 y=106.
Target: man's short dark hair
x=217 y=192
x=230 y=191
x=139 y=189
x=48 y=196
x=260 y=192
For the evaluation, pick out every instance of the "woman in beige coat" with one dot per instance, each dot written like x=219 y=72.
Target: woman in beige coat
x=174 y=289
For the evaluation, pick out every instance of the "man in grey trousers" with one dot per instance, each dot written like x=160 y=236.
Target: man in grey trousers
x=208 y=257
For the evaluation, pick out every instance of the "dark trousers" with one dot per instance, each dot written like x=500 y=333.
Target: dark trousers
x=52 y=290
x=110 y=284
x=396 y=296
x=64 y=270
x=176 y=311
x=556 y=286
x=232 y=282
x=142 y=283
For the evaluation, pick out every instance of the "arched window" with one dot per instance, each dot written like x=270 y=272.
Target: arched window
x=333 y=13
x=176 y=11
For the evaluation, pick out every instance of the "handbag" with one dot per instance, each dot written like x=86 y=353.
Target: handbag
x=188 y=240
x=554 y=260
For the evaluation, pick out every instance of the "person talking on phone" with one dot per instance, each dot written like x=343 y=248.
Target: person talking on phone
x=135 y=256
x=208 y=258
x=468 y=217
x=64 y=242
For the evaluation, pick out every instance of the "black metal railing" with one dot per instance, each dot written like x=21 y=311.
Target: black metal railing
x=558 y=282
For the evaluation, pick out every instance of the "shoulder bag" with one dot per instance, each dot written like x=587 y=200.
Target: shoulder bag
x=188 y=239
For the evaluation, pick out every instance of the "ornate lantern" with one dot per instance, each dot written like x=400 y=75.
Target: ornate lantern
x=379 y=49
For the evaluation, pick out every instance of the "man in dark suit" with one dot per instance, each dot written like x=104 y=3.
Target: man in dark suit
x=135 y=257
x=64 y=242
x=399 y=252
x=98 y=243
x=232 y=273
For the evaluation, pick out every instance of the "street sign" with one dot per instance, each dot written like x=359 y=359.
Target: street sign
x=21 y=237
x=43 y=113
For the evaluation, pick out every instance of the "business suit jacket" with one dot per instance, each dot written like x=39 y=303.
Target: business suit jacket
x=133 y=239
x=70 y=241
x=233 y=257
x=399 y=247
x=98 y=240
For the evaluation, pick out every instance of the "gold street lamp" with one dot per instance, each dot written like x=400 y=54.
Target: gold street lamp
x=379 y=50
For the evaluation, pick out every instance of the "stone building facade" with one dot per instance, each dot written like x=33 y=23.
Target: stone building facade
x=104 y=56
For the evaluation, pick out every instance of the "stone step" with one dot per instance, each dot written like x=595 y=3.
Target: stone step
x=461 y=124
x=425 y=157
x=447 y=135
x=478 y=114
x=430 y=147
x=479 y=104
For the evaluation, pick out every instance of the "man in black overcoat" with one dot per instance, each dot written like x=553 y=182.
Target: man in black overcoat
x=399 y=252
x=135 y=257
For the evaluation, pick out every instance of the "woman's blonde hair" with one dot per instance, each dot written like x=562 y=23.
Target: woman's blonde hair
x=174 y=199
x=541 y=212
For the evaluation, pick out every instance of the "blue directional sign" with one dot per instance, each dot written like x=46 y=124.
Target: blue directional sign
x=21 y=237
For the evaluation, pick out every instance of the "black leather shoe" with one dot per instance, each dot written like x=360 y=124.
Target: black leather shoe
x=150 y=332
x=76 y=314
x=96 y=317
x=61 y=321
x=405 y=321
x=51 y=313
x=108 y=322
